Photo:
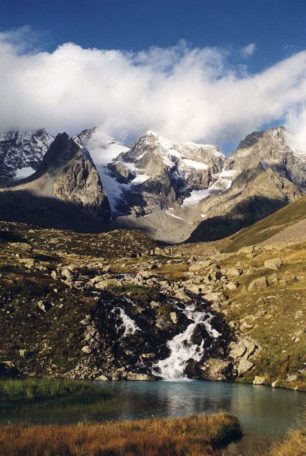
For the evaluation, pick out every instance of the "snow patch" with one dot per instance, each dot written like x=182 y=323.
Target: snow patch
x=196 y=196
x=195 y=164
x=173 y=215
x=22 y=173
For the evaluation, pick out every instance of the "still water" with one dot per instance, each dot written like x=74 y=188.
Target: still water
x=265 y=414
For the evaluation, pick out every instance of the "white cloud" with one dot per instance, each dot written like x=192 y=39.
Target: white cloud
x=182 y=93
x=248 y=50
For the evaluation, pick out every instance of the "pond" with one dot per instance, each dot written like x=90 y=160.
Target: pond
x=265 y=414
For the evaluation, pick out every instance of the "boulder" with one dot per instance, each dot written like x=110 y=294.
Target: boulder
x=247 y=249
x=234 y=272
x=273 y=263
x=139 y=377
x=217 y=369
x=258 y=380
x=258 y=284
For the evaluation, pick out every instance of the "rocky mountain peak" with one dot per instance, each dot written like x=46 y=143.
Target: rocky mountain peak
x=21 y=152
x=66 y=188
x=74 y=175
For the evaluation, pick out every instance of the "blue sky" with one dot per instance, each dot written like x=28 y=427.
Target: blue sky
x=276 y=26
x=199 y=70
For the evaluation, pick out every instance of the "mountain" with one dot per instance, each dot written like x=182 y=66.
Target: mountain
x=267 y=174
x=65 y=191
x=155 y=184
x=177 y=191
x=21 y=152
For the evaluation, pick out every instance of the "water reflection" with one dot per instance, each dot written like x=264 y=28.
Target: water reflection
x=264 y=413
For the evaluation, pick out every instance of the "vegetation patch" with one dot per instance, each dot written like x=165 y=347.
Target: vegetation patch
x=293 y=445
x=36 y=389
x=194 y=436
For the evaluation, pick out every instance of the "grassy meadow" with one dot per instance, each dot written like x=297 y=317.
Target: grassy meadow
x=193 y=436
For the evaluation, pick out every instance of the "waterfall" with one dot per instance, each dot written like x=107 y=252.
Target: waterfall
x=129 y=325
x=182 y=349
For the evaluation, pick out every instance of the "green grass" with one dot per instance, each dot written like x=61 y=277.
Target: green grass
x=35 y=389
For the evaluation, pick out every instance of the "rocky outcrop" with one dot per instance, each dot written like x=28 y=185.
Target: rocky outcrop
x=266 y=175
x=66 y=189
x=21 y=153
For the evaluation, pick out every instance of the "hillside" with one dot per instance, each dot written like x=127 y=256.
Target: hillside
x=117 y=306
x=285 y=225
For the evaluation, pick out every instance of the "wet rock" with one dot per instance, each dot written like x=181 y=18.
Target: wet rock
x=258 y=380
x=140 y=377
x=101 y=378
x=217 y=370
x=8 y=370
x=173 y=317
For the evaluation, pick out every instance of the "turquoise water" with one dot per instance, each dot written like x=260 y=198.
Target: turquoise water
x=265 y=414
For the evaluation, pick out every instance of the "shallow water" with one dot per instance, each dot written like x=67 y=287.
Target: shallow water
x=265 y=414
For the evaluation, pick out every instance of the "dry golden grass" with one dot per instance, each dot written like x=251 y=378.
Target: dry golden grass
x=294 y=445
x=194 y=436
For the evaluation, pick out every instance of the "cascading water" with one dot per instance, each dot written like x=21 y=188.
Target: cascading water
x=182 y=348
x=129 y=325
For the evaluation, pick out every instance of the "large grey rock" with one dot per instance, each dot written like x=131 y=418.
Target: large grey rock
x=65 y=191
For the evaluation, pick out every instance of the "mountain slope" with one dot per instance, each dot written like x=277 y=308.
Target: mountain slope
x=65 y=191
x=268 y=175
x=283 y=226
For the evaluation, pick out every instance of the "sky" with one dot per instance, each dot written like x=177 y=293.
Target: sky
x=192 y=70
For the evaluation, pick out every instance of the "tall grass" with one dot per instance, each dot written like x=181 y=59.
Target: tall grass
x=39 y=389
x=194 y=436
x=293 y=445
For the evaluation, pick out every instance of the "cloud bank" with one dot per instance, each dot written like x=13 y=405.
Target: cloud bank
x=182 y=93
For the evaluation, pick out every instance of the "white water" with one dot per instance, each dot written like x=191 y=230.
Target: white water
x=182 y=349
x=128 y=324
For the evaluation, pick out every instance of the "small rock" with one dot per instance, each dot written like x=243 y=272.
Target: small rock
x=259 y=380
x=41 y=306
x=173 y=317
x=101 y=378
x=232 y=286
